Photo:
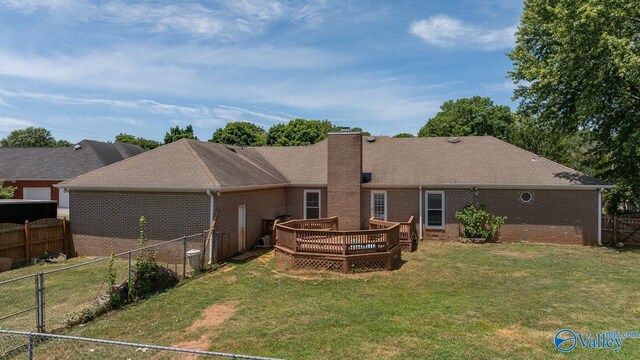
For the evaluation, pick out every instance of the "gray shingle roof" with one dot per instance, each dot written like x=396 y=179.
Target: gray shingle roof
x=61 y=163
x=475 y=160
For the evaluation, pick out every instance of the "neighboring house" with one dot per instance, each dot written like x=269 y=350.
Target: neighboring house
x=34 y=171
x=178 y=187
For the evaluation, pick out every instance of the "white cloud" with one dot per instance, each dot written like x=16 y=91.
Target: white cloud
x=226 y=19
x=447 y=32
x=507 y=86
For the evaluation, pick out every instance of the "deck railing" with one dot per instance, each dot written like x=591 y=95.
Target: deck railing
x=321 y=236
x=407 y=228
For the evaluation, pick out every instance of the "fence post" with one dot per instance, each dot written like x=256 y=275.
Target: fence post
x=129 y=285
x=40 y=302
x=214 y=243
x=30 y=347
x=27 y=242
x=204 y=249
x=184 y=257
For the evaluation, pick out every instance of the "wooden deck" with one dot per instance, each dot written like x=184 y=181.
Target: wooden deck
x=319 y=244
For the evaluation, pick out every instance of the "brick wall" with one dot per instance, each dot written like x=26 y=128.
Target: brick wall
x=102 y=222
x=294 y=201
x=401 y=204
x=105 y=222
x=344 y=175
x=261 y=204
x=562 y=217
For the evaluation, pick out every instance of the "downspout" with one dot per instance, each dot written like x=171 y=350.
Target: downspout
x=420 y=202
x=212 y=204
x=600 y=217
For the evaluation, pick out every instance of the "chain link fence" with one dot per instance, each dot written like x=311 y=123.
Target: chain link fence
x=50 y=300
x=29 y=345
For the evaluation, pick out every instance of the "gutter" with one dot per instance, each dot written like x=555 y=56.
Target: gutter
x=490 y=186
x=169 y=188
x=212 y=204
x=420 y=202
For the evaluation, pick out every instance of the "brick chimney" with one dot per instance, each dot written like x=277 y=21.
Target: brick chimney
x=344 y=174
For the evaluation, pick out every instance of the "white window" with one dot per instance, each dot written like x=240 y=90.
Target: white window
x=379 y=204
x=312 y=204
x=435 y=209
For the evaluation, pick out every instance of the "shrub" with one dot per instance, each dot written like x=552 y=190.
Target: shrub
x=478 y=223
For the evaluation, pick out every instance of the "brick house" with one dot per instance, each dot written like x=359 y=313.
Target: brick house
x=177 y=187
x=34 y=171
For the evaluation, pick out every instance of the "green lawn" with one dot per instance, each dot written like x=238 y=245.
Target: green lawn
x=447 y=300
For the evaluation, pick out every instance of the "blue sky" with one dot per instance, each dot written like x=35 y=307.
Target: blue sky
x=89 y=69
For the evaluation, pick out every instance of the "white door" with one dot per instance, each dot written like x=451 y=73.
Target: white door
x=63 y=198
x=36 y=193
x=242 y=227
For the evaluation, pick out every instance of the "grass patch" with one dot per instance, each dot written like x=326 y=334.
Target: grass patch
x=448 y=300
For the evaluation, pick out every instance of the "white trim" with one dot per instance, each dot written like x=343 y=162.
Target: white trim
x=304 y=201
x=488 y=186
x=426 y=207
x=600 y=217
x=373 y=192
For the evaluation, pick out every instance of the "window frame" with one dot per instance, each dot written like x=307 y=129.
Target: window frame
x=525 y=192
x=386 y=201
x=442 y=210
x=304 y=208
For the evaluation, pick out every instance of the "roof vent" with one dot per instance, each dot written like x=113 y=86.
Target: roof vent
x=534 y=159
x=230 y=148
x=77 y=147
x=454 y=140
x=345 y=129
x=370 y=139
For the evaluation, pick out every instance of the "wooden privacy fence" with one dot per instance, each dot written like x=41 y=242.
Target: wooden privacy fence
x=622 y=228
x=31 y=240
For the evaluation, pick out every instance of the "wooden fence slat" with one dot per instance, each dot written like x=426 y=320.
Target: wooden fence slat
x=21 y=242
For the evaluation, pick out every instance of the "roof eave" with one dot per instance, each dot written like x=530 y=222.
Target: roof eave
x=491 y=186
x=141 y=188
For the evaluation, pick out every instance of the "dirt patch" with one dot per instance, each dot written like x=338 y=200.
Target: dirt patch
x=522 y=337
x=214 y=315
x=228 y=268
x=209 y=322
x=516 y=254
x=265 y=258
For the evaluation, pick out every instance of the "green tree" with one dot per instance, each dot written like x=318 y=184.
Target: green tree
x=568 y=149
x=359 y=129
x=577 y=67
x=6 y=192
x=403 y=135
x=240 y=133
x=470 y=116
x=298 y=132
x=146 y=144
x=177 y=133
x=32 y=137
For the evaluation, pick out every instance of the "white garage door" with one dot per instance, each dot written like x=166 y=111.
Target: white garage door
x=36 y=193
x=63 y=197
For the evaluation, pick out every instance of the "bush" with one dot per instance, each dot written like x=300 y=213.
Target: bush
x=478 y=223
